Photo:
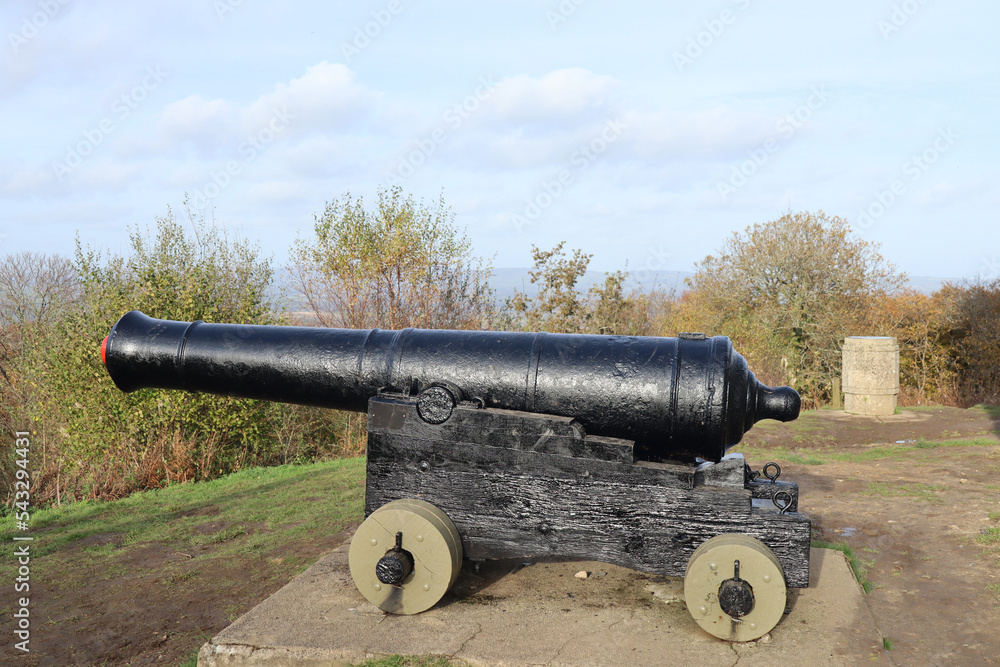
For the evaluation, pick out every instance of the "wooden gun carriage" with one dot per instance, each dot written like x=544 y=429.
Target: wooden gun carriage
x=490 y=445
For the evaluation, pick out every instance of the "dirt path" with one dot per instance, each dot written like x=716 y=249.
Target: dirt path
x=925 y=522
x=155 y=606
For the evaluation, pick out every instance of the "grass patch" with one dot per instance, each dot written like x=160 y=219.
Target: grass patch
x=262 y=507
x=989 y=535
x=806 y=460
x=797 y=456
x=887 y=644
x=992 y=411
x=881 y=452
x=994 y=516
x=857 y=565
x=926 y=492
x=178 y=577
x=219 y=537
x=191 y=541
x=409 y=661
x=191 y=660
x=862 y=454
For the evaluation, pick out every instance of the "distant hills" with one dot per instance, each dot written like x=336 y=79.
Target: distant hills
x=927 y=285
x=507 y=281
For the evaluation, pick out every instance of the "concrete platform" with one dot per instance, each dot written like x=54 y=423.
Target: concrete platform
x=541 y=614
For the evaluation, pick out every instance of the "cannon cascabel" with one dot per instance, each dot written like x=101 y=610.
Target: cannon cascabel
x=686 y=396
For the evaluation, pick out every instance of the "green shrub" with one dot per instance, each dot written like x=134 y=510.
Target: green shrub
x=107 y=442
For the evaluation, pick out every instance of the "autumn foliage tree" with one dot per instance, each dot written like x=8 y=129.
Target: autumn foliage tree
x=920 y=324
x=972 y=322
x=798 y=284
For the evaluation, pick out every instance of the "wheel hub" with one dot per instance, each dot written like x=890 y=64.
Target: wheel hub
x=736 y=595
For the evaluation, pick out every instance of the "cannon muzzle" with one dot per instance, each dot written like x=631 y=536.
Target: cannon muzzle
x=691 y=395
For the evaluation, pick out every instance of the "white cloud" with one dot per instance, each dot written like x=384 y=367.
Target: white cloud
x=561 y=93
x=277 y=192
x=25 y=180
x=525 y=121
x=718 y=132
x=326 y=97
x=204 y=123
x=108 y=176
x=327 y=155
x=544 y=121
x=938 y=193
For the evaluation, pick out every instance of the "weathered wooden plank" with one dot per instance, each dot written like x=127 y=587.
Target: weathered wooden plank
x=730 y=471
x=651 y=552
x=418 y=456
x=511 y=429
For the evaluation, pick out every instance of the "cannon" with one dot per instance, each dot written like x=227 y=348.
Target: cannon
x=492 y=445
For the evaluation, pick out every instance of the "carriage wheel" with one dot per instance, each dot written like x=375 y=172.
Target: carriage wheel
x=734 y=587
x=405 y=556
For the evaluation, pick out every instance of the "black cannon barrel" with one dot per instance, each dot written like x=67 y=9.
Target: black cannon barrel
x=691 y=395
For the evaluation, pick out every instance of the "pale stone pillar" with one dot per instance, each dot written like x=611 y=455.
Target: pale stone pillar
x=871 y=375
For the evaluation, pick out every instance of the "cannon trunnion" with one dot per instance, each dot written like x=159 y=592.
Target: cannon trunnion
x=492 y=445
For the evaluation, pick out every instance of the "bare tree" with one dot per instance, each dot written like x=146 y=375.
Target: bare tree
x=33 y=285
x=33 y=288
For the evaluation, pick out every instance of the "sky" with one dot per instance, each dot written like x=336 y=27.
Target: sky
x=644 y=133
